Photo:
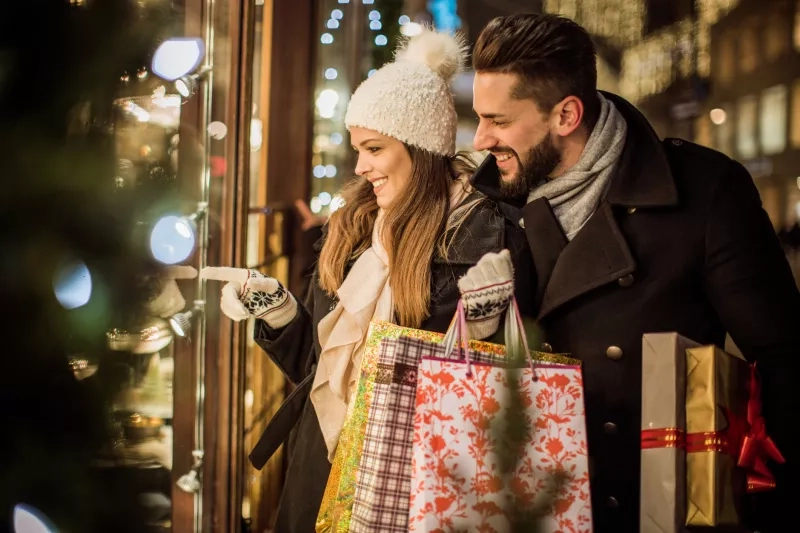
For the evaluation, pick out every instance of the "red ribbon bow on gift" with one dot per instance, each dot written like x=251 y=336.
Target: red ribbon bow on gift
x=757 y=447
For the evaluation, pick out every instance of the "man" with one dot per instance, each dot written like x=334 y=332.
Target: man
x=629 y=235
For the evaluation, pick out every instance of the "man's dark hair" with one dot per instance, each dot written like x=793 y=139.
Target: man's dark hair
x=553 y=56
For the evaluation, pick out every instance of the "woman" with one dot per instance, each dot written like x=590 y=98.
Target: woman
x=400 y=250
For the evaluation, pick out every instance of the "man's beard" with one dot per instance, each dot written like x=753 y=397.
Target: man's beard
x=539 y=163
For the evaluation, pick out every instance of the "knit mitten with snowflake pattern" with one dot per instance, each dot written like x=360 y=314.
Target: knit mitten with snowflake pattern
x=487 y=289
x=250 y=293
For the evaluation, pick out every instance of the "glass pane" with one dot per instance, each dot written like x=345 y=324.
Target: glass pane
x=146 y=124
x=335 y=77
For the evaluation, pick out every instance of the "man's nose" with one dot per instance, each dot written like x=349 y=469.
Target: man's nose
x=482 y=140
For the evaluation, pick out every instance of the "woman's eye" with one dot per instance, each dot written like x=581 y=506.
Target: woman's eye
x=372 y=149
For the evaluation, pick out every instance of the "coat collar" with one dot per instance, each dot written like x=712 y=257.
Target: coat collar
x=644 y=178
x=599 y=253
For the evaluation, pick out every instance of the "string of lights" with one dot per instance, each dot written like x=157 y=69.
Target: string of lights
x=659 y=59
x=620 y=22
x=650 y=63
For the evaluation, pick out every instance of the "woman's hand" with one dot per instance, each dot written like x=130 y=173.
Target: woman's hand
x=249 y=293
x=487 y=289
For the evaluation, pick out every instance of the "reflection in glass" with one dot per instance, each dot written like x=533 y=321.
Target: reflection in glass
x=28 y=519
x=72 y=284
x=177 y=57
x=141 y=356
x=172 y=240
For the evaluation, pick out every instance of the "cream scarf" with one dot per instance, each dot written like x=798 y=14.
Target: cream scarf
x=365 y=295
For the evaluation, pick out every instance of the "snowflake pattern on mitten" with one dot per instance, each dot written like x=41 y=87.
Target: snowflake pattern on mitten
x=488 y=302
x=259 y=302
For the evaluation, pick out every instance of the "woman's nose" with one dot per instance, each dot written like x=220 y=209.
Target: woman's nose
x=362 y=166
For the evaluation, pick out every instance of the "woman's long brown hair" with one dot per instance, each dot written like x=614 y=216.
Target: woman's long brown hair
x=413 y=226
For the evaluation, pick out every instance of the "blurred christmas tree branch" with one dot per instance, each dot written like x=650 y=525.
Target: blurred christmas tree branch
x=511 y=429
x=60 y=67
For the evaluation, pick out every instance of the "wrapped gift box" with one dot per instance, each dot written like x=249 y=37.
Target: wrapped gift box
x=704 y=442
x=716 y=424
x=663 y=478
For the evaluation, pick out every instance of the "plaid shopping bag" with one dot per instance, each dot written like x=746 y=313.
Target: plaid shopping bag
x=337 y=501
x=382 y=481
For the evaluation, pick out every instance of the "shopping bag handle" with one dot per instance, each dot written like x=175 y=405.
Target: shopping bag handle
x=515 y=337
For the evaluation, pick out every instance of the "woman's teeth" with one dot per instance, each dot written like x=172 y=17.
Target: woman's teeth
x=378 y=183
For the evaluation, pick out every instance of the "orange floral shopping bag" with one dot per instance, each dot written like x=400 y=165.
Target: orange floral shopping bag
x=489 y=440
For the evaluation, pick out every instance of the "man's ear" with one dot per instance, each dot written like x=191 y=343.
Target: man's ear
x=567 y=115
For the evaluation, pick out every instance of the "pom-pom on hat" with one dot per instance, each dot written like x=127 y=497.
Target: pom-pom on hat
x=410 y=98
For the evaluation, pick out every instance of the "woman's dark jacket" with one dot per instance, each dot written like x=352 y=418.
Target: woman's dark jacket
x=295 y=349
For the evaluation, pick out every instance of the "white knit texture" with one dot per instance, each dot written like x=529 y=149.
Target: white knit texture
x=410 y=99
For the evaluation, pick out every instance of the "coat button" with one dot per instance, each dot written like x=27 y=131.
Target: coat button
x=522 y=223
x=614 y=352
x=677 y=142
x=612 y=502
x=610 y=428
x=625 y=281
x=631 y=210
x=546 y=347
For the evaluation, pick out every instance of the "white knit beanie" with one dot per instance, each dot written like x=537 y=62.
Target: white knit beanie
x=410 y=98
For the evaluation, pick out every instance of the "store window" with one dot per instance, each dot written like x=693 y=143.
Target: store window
x=772 y=124
x=171 y=125
x=746 y=113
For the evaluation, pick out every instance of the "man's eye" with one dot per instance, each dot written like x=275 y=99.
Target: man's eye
x=498 y=123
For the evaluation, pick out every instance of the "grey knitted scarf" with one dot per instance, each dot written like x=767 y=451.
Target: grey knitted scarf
x=576 y=194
